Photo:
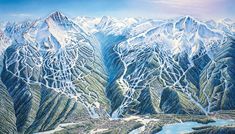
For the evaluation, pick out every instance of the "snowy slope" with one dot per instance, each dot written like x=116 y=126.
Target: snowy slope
x=183 y=35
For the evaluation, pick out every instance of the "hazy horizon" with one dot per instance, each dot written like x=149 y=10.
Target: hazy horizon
x=32 y=9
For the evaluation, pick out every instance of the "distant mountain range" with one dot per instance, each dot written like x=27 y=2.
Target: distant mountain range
x=56 y=69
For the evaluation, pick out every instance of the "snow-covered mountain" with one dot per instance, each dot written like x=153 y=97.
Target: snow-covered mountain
x=57 y=68
x=53 y=57
x=177 y=35
x=107 y=24
x=171 y=53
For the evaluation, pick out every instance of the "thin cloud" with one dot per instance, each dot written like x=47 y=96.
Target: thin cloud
x=198 y=8
x=183 y=4
x=20 y=15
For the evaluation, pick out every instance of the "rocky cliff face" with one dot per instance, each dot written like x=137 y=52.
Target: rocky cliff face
x=54 y=70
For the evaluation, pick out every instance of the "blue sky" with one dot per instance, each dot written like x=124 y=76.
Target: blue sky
x=21 y=9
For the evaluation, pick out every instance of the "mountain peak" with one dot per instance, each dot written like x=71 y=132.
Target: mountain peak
x=58 y=16
x=106 y=18
x=188 y=18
